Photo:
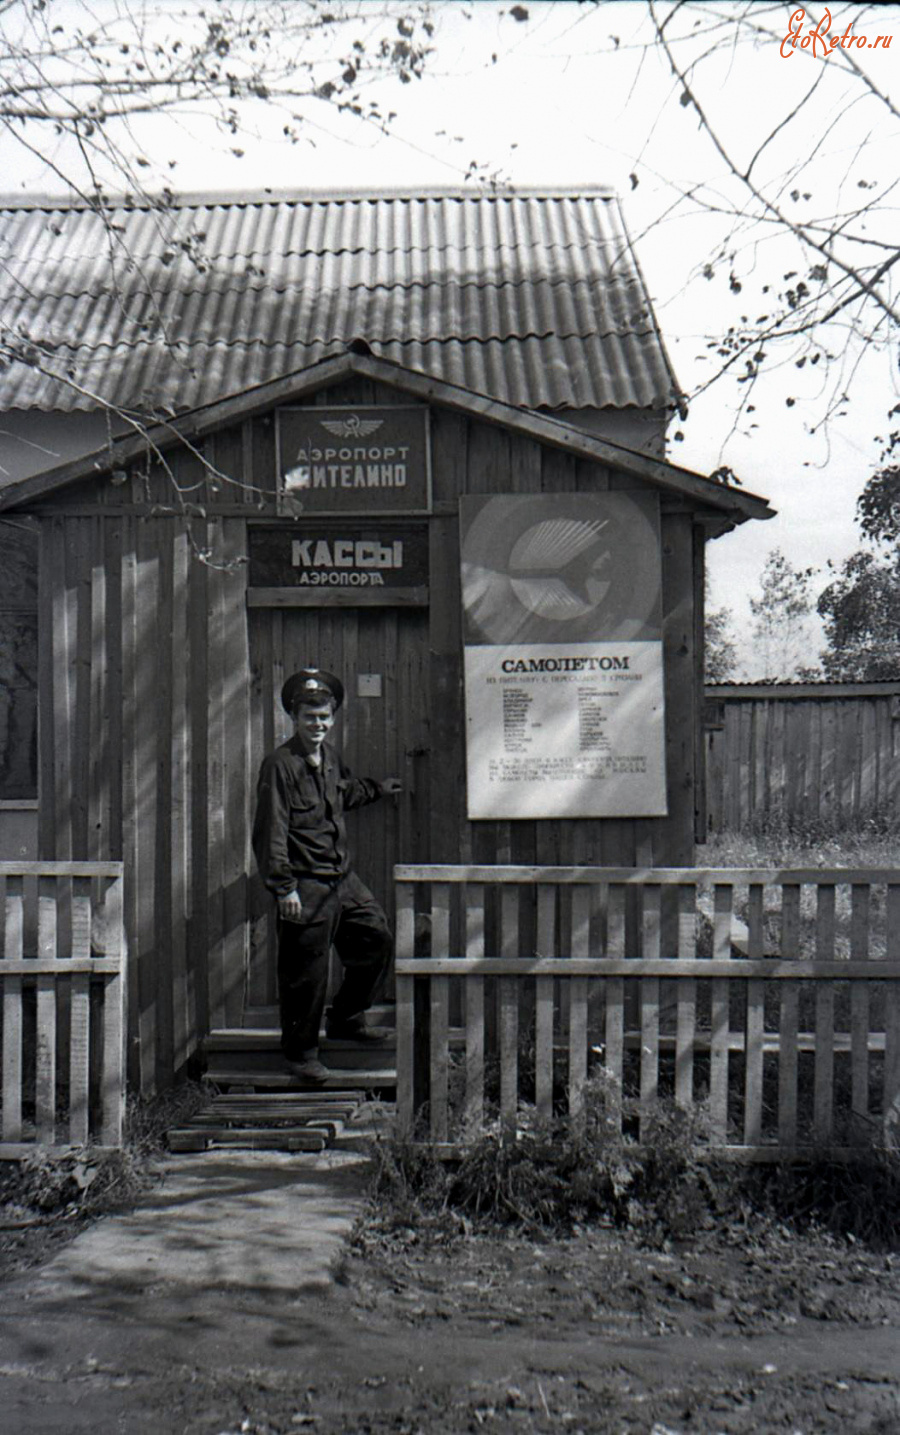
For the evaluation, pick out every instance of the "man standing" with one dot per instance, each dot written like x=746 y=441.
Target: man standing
x=300 y=843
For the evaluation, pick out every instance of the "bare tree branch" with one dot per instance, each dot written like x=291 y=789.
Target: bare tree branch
x=89 y=79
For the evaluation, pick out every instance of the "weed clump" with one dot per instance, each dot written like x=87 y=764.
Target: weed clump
x=559 y=1173
x=82 y=1183
x=856 y=1199
x=47 y=1186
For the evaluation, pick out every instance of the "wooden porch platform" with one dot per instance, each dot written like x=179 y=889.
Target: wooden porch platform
x=249 y=1057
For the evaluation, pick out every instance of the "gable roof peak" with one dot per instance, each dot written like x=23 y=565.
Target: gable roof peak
x=730 y=505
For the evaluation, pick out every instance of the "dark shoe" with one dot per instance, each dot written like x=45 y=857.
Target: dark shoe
x=310 y=1072
x=354 y=1029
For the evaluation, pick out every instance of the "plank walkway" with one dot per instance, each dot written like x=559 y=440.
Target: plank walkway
x=293 y=1121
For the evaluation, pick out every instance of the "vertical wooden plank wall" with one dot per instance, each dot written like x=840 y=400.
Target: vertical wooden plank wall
x=471 y=457
x=832 y=759
x=144 y=655
x=450 y=833
x=152 y=722
x=671 y=839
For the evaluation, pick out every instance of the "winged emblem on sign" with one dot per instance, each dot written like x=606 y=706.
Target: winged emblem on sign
x=352 y=427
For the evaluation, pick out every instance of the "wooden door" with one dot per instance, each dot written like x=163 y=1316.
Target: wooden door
x=381 y=656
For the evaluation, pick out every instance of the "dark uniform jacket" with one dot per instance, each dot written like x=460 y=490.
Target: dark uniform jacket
x=299 y=828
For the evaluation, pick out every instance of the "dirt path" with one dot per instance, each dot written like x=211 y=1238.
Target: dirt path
x=500 y=1334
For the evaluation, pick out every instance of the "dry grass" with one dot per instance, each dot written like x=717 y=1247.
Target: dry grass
x=864 y=848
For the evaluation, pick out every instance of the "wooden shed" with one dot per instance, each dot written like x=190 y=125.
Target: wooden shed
x=117 y=314
x=167 y=625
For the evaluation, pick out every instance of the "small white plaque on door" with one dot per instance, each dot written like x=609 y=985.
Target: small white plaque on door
x=368 y=685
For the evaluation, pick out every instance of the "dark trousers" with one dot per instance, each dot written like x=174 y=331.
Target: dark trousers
x=345 y=915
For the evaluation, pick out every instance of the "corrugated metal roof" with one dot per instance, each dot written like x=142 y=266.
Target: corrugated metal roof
x=532 y=298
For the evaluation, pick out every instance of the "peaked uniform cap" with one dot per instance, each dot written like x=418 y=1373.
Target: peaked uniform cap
x=311 y=685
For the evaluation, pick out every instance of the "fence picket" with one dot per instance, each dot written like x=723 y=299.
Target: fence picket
x=615 y=996
x=440 y=1014
x=788 y=1020
x=723 y=913
x=650 y=947
x=578 y=1003
x=723 y=901
x=823 y=1093
x=405 y=989
x=13 y=950
x=718 y=1062
x=45 y=1039
x=113 y=1075
x=509 y=1009
x=473 y=1115
x=755 y=1029
x=686 y=999
x=543 y=1016
x=860 y=908
x=79 y=1039
x=438 y=1069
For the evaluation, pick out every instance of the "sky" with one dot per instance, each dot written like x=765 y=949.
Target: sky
x=573 y=98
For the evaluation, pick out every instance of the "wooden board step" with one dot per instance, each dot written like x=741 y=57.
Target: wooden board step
x=260 y=1121
x=260 y=1038
x=205 y=1138
x=284 y=1100
x=268 y=1017
x=239 y=1114
x=258 y=1050
x=230 y=1074
x=295 y=1121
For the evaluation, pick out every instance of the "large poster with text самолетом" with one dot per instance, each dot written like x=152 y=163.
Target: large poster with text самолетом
x=562 y=618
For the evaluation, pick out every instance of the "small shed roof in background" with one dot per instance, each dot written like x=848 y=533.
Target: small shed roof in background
x=531 y=298
x=792 y=691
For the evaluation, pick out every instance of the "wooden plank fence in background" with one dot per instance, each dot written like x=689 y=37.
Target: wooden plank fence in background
x=62 y=979
x=772 y=998
x=801 y=753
